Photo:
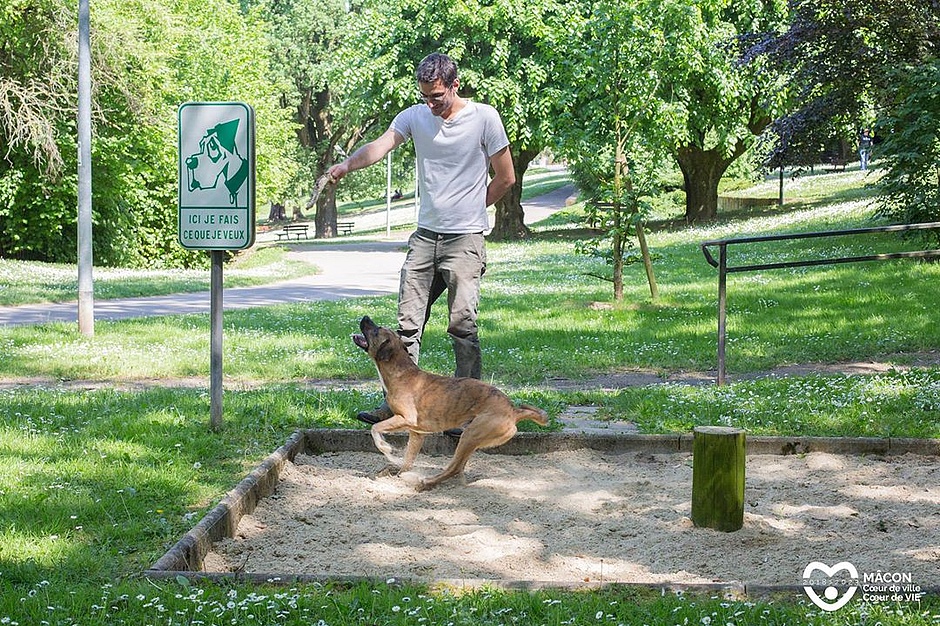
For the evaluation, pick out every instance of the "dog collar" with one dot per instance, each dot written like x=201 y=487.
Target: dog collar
x=234 y=183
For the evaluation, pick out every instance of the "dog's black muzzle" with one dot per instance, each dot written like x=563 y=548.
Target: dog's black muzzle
x=368 y=327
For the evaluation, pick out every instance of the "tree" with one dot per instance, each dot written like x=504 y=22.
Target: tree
x=31 y=88
x=911 y=148
x=685 y=57
x=306 y=52
x=500 y=50
x=841 y=59
x=857 y=62
x=723 y=104
x=35 y=88
x=147 y=59
x=611 y=126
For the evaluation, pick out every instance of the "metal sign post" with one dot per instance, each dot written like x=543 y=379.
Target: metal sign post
x=216 y=203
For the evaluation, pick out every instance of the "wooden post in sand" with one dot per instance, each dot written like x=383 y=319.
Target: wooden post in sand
x=718 y=478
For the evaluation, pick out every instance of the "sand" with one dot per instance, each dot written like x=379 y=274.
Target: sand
x=591 y=517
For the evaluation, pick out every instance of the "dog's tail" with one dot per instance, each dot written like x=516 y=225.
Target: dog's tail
x=529 y=412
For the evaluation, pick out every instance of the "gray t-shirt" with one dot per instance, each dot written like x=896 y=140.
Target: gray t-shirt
x=453 y=164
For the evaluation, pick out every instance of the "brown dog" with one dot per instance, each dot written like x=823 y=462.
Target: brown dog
x=423 y=403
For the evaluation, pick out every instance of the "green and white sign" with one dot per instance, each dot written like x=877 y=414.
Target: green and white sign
x=216 y=175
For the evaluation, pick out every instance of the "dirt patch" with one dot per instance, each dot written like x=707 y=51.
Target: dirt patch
x=590 y=516
x=610 y=381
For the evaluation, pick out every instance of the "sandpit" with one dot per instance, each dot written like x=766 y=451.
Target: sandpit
x=589 y=516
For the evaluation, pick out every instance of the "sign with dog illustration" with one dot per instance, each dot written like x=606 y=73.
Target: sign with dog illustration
x=216 y=175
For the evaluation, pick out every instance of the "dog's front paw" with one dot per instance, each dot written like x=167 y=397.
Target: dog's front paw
x=423 y=485
x=389 y=470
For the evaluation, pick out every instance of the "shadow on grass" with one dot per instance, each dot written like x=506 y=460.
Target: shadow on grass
x=97 y=484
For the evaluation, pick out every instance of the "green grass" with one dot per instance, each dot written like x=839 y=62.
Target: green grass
x=33 y=282
x=106 y=480
x=176 y=604
x=99 y=477
x=895 y=404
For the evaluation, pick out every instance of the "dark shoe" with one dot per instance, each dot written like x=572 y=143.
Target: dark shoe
x=376 y=415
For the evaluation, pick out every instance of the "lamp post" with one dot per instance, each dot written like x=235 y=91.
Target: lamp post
x=86 y=302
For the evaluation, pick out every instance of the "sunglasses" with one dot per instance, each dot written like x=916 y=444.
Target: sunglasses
x=436 y=98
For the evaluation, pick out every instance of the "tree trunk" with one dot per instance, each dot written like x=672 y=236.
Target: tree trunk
x=317 y=132
x=618 y=253
x=701 y=171
x=509 y=223
x=277 y=212
x=620 y=172
x=510 y=216
x=326 y=214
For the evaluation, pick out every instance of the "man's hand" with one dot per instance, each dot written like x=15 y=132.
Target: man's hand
x=336 y=172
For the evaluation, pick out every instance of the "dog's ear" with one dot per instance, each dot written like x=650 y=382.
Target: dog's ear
x=384 y=351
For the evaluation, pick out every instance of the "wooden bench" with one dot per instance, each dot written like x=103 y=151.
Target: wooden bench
x=296 y=229
x=835 y=162
x=345 y=228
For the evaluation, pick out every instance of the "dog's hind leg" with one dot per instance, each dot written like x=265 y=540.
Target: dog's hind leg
x=479 y=434
x=455 y=468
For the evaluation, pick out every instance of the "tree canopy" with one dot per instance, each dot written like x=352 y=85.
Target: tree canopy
x=148 y=58
x=691 y=80
x=857 y=64
x=499 y=47
x=671 y=73
x=843 y=60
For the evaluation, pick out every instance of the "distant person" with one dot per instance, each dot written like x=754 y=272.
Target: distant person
x=456 y=141
x=864 y=148
x=397 y=195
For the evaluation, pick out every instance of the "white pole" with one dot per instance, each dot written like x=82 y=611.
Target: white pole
x=86 y=295
x=388 y=196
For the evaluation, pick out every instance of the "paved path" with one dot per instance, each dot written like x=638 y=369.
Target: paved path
x=347 y=269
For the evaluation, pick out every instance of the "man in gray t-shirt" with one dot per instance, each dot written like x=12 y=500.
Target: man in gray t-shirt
x=457 y=141
x=453 y=163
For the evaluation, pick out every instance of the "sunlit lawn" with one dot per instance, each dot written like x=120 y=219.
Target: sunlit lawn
x=106 y=458
x=27 y=282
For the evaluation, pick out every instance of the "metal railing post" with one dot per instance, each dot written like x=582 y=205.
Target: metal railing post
x=722 y=308
x=724 y=270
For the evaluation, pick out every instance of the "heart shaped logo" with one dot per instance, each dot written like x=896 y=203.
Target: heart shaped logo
x=831 y=600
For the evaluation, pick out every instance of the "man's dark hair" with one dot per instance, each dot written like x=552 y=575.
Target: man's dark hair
x=437 y=66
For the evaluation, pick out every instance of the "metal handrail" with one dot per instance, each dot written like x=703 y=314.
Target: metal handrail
x=724 y=270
